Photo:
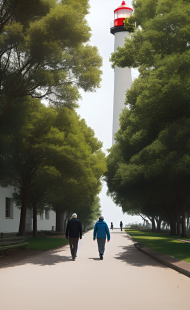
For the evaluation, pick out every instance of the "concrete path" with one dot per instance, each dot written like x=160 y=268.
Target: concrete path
x=126 y=278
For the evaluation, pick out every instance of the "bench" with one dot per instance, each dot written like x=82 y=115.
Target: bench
x=10 y=243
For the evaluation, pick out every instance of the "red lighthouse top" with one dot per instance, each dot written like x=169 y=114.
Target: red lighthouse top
x=122 y=12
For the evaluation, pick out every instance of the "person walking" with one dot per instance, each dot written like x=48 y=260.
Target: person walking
x=73 y=233
x=101 y=230
x=121 y=225
x=111 y=225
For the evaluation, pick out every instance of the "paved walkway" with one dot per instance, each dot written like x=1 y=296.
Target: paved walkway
x=126 y=279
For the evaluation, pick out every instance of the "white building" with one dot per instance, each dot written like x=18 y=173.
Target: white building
x=122 y=76
x=10 y=215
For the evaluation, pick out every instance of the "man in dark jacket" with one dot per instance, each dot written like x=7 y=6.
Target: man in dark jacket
x=101 y=230
x=73 y=233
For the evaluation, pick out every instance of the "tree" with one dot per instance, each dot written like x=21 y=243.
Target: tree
x=163 y=29
x=129 y=24
x=90 y=214
x=148 y=168
x=45 y=52
x=54 y=160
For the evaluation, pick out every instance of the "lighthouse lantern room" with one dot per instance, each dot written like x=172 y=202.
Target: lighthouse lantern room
x=122 y=12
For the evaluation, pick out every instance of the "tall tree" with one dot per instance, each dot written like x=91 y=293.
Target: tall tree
x=44 y=52
x=57 y=147
x=148 y=167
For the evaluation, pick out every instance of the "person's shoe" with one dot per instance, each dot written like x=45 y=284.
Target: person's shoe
x=101 y=256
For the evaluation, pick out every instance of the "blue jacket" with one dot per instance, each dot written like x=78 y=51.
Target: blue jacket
x=101 y=230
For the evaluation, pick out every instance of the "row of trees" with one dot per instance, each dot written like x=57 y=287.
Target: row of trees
x=52 y=160
x=48 y=153
x=149 y=166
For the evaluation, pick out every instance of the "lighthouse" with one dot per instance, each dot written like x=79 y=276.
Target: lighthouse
x=122 y=76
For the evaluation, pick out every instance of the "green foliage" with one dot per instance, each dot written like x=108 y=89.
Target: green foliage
x=53 y=160
x=91 y=213
x=49 y=155
x=162 y=243
x=164 y=30
x=45 y=52
x=45 y=243
x=144 y=11
x=148 y=168
x=129 y=24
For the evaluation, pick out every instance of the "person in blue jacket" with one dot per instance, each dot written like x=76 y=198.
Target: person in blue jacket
x=101 y=230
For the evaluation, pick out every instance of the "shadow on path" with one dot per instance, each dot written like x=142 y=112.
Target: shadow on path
x=129 y=255
x=132 y=256
x=48 y=258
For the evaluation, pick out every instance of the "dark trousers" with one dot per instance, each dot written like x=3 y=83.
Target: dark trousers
x=121 y=227
x=101 y=245
x=73 y=246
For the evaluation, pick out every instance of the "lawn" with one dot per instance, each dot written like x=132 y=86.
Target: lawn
x=45 y=243
x=162 y=243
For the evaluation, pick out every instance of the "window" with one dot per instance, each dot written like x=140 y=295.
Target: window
x=41 y=216
x=8 y=208
x=124 y=13
x=47 y=214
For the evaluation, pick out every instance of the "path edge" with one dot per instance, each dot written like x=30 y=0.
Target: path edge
x=169 y=261
x=166 y=260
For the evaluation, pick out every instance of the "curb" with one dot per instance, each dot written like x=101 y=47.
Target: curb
x=169 y=261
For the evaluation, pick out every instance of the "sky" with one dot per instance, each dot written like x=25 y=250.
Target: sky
x=97 y=107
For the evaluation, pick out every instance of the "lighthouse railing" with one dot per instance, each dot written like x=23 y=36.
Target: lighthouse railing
x=112 y=24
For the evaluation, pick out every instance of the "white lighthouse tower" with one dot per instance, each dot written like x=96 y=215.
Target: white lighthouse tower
x=122 y=76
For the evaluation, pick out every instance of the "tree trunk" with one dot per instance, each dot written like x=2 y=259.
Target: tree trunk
x=188 y=223
x=58 y=228
x=173 y=228
x=183 y=224
x=178 y=227
x=158 y=223
x=153 y=224
x=34 y=219
x=175 y=219
x=5 y=110
x=23 y=210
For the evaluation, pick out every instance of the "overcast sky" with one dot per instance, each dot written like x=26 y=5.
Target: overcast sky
x=97 y=108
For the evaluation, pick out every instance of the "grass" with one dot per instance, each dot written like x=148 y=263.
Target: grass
x=163 y=243
x=45 y=243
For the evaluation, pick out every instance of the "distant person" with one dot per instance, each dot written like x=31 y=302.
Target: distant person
x=121 y=225
x=101 y=230
x=111 y=225
x=73 y=233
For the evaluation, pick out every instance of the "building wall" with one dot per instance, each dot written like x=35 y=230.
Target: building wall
x=12 y=224
x=122 y=82
x=44 y=224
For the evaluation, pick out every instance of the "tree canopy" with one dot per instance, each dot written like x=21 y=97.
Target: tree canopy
x=44 y=52
x=53 y=158
x=148 y=167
